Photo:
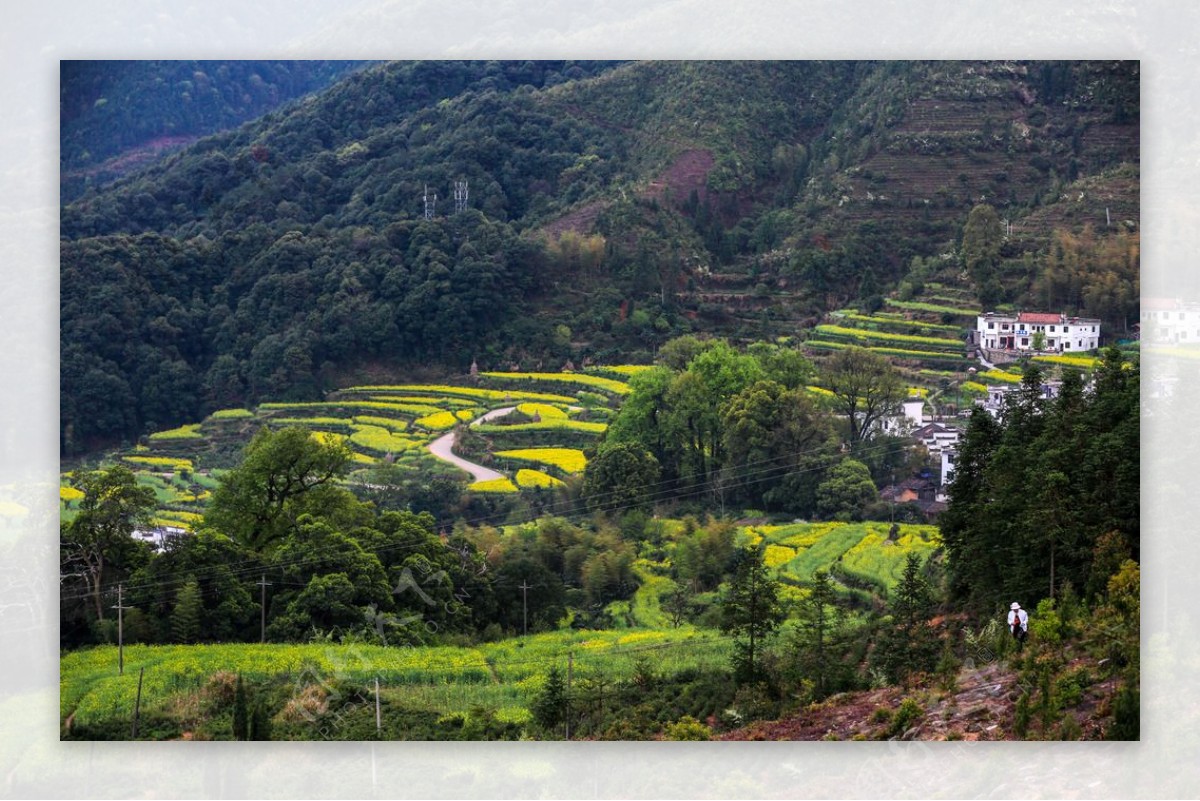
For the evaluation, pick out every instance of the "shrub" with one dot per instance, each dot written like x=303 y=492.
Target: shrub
x=688 y=728
x=1126 y=723
x=1045 y=624
x=905 y=716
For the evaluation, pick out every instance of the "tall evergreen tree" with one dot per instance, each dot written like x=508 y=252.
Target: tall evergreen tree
x=241 y=715
x=750 y=610
x=817 y=639
x=910 y=646
x=552 y=705
x=185 y=618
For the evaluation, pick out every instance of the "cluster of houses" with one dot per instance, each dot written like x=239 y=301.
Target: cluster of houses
x=1001 y=337
x=158 y=536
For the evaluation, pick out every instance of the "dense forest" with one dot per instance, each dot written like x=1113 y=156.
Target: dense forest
x=117 y=115
x=610 y=207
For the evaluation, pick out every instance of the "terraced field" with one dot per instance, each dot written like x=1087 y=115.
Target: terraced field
x=555 y=416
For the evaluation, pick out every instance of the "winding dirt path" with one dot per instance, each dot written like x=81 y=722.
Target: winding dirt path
x=443 y=448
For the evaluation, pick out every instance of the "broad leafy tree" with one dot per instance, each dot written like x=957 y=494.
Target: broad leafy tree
x=621 y=476
x=258 y=501
x=866 y=389
x=96 y=547
x=847 y=490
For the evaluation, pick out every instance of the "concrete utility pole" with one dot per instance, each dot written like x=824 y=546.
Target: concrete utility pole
x=262 y=604
x=525 y=588
x=378 y=717
x=121 y=607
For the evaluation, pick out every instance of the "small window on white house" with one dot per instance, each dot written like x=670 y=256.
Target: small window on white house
x=1024 y=340
x=991 y=326
x=1051 y=329
x=1066 y=344
x=1004 y=327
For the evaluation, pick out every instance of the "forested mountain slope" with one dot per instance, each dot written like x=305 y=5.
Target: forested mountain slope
x=611 y=206
x=118 y=115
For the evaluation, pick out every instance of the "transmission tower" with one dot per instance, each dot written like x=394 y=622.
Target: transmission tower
x=460 y=196
x=430 y=205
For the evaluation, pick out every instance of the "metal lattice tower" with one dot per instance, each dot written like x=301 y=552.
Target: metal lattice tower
x=460 y=196
x=429 y=205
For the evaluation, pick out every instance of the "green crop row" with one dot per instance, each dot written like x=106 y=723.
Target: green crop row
x=328 y=422
x=882 y=563
x=881 y=336
x=912 y=305
x=231 y=414
x=898 y=321
x=544 y=425
x=190 y=431
x=582 y=379
x=403 y=408
x=504 y=396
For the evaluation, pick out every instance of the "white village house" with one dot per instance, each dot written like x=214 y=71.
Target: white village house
x=1015 y=332
x=1174 y=322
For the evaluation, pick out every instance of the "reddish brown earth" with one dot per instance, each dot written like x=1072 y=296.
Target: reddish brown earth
x=135 y=157
x=688 y=172
x=979 y=707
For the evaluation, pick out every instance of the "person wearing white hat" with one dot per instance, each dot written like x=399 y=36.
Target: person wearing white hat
x=1018 y=624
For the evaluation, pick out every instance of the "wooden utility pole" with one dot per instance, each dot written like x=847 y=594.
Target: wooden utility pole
x=378 y=716
x=525 y=588
x=120 y=607
x=570 y=673
x=262 y=604
x=137 y=705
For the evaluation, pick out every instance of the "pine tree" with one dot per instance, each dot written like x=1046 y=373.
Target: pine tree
x=185 y=618
x=910 y=646
x=750 y=609
x=241 y=730
x=260 y=722
x=817 y=635
x=551 y=705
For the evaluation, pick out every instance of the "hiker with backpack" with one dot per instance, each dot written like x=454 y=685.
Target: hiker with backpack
x=1018 y=624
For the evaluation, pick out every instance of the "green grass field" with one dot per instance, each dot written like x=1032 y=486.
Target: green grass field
x=441 y=678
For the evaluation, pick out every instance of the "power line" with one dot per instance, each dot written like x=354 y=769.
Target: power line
x=653 y=492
